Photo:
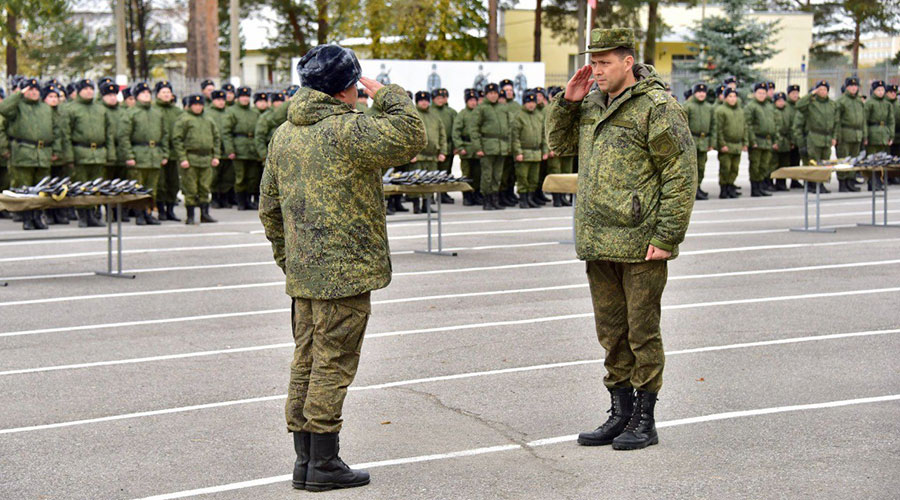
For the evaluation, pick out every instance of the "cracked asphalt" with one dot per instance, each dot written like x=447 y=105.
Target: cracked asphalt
x=782 y=376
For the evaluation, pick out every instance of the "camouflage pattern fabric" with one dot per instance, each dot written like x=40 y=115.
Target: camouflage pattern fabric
x=762 y=133
x=448 y=117
x=168 y=184
x=322 y=200
x=880 y=121
x=637 y=169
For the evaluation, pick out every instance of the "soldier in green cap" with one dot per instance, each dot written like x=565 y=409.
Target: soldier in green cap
x=636 y=185
x=239 y=147
x=880 y=118
x=435 y=149
x=731 y=139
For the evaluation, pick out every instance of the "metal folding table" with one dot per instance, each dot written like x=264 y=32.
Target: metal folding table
x=429 y=189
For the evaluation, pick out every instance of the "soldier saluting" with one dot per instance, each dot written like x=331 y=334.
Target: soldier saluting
x=322 y=206
x=636 y=185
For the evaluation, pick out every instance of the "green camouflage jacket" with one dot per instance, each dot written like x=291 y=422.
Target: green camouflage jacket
x=33 y=130
x=240 y=128
x=196 y=139
x=489 y=128
x=762 y=132
x=700 y=119
x=852 y=119
x=447 y=116
x=170 y=113
x=461 y=138
x=267 y=124
x=4 y=145
x=637 y=169
x=783 y=125
x=896 y=105
x=527 y=136
x=91 y=133
x=880 y=120
x=218 y=116
x=322 y=200
x=437 y=138
x=731 y=128
x=817 y=120
x=143 y=136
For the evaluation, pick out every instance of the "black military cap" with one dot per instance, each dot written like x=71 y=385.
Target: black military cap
x=290 y=91
x=276 y=96
x=361 y=93
x=217 y=94
x=889 y=88
x=27 y=83
x=109 y=88
x=760 y=85
x=409 y=94
x=105 y=79
x=244 y=91
x=505 y=82
x=770 y=85
x=440 y=93
x=70 y=88
x=126 y=93
x=227 y=87
x=84 y=83
x=491 y=87
x=470 y=94
x=541 y=90
x=720 y=89
x=52 y=81
x=206 y=83
x=139 y=87
x=779 y=95
x=823 y=83
x=688 y=93
x=184 y=101
x=165 y=84
x=730 y=79
x=555 y=90
x=851 y=81
x=480 y=94
x=700 y=87
x=49 y=89
x=529 y=97
x=877 y=83
x=793 y=88
x=423 y=96
x=728 y=91
x=195 y=99
x=2 y=93
x=260 y=96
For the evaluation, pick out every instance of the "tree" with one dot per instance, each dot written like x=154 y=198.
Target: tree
x=492 y=37
x=538 y=11
x=561 y=17
x=202 y=42
x=59 y=48
x=33 y=13
x=732 y=44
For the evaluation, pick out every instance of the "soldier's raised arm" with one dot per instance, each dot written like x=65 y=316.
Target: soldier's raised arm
x=9 y=108
x=397 y=132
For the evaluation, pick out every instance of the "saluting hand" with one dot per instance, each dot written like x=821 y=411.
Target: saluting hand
x=371 y=87
x=185 y=164
x=580 y=84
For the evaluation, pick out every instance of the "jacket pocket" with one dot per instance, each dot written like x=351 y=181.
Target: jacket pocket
x=636 y=214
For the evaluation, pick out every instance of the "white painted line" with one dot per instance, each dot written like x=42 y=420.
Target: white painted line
x=772 y=219
x=786 y=246
x=532 y=444
x=133 y=251
x=440 y=378
x=102 y=238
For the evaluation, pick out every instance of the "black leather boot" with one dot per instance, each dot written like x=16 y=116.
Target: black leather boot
x=27 y=220
x=700 y=196
x=326 y=471
x=82 y=217
x=523 y=201
x=542 y=196
x=641 y=429
x=724 y=191
x=398 y=204
x=170 y=212
x=478 y=197
x=445 y=198
x=93 y=219
x=301 y=447
x=204 y=214
x=17 y=216
x=61 y=216
x=534 y=201
x=139 y=219
x=795 y=184
x=842 y=186
x=189 y=220
x=495 y=201
x=161 y=210
x=241 y=201
x=852 y=185
x=389 y=207
x=781 y=185
x=486 y=202
x=620 y=412
x=38 y=219
x=150 y=219
x=5 y=215
x=556 y=201
x=253 y=201
x=417 y=209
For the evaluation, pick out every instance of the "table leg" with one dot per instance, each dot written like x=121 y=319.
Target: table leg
x=440 y=250
x=109 y=245
x=805 y=228
x=572 y=241
x=884 y=222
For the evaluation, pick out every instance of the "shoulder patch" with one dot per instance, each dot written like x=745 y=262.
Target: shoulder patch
x=658 y=97
x=664 y=146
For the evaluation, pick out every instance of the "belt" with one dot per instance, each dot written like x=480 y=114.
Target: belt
x=250 y=135
x=701 y=134
x=466 y=138
x=820 y=132
x=151 y=144
x=91 y=145
x=877 y=124
x=199 y=152
x=493 y=136
x=766 y=137
x=37 y=144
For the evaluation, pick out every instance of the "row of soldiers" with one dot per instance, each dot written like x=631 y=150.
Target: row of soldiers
x=47 y=129
x=501 y=145
x=780 y=129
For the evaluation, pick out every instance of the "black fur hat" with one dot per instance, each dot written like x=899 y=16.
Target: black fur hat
x=329 y=69
x=109 y=88
x=423 y=96
x=217 y=94
x=195 y=99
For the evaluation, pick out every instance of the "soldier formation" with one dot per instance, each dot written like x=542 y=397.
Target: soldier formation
x=780 y=129
x=211 y=149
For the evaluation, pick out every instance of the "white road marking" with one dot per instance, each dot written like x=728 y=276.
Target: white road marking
x=440 y=378
x=102 y=238
x=532 y=444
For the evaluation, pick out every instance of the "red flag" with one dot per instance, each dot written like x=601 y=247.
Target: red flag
x=593 y=4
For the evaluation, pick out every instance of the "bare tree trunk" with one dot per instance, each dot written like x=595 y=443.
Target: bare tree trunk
x=143 y=57
x=856 y=31
x=493 y=39
x=12 y=60
x=652 y=26
x=322 y=21
x=538 y=11
x=202 y=43
x=581 y=13
x=129 y=40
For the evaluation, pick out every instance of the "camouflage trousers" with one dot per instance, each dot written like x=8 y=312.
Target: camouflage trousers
x=471 y=168
x=508 y=177
x=626 y=299
x=196 y=183
x=527 y=175
x=88 y=172
x=701 y=165
x=845 y=149
x=491 y=173
x=27 y=176
x=328 y=336
x=560 y=165
x=760 y=159
x=728 y=167
x=147 y=177
x=169 y=183
x=247 y=175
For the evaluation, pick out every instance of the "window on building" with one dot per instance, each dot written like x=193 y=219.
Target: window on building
x=262 y=74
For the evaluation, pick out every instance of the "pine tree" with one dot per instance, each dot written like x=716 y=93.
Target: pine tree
x=732 y=44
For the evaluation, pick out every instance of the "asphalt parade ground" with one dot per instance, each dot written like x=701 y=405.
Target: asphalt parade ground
x=782 y=376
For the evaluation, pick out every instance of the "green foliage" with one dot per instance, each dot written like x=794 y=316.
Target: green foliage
x=57 y=49
x=561 y=17
x=734 y=43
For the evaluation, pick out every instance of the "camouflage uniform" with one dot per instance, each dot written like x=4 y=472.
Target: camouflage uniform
x=700 y=118
x=322 y=209
x=117 y=169
x=142 y=136
x=4 y=155
x=240 y=128
x=489 y=131
x=852 y=129
x=448 y=117
x=196 y=139
x=880 y=121
x=731 y=131
x=223 y=175
x=527 y=138
x=817 y=120
x=34 y=137
x=783 y=124
x=468 y=162
x=761 y=136
x=92 y=138
x=636 y=184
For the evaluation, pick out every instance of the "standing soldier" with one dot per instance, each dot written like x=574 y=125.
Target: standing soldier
x=558 y=163
x=93 y=142
x=62 y=166
x=35 y=141
x=880 y=120
x=636 y=187
x=700 y=118
x=529 y=146
x=793 y=96
x=239 y=147
x=223 y=175
x=762 y=138
x=169 y=180
x=206 y=88
x=731 y=139
x=127 y=97
x=265 y=125
x=508 y=177
x=109 y=95
x=197 y=146
x=781 y=157
x=489 y=131
x=447 y=115
x=462 y=141
x=229 y=94
x=851 y=130
x=817 y=119
x=435 y=149
x=322 y=202
x=4 y=155
x=143 y=143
